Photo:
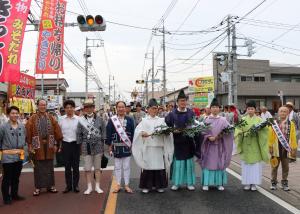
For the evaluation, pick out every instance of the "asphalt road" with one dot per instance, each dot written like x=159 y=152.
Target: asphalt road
x=233 y=200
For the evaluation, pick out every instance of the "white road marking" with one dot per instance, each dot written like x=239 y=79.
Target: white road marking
x=62 y=169
x=274 y=198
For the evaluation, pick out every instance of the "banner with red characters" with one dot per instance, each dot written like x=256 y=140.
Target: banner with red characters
x=51 y=38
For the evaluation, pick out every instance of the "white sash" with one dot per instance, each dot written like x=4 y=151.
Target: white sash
x=92 y=130
x=120 y=130
x=285 y=144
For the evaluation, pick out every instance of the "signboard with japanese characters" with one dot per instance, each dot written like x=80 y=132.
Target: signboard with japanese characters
x=25 y=88
x=201 y=90
x=51 y=38
x=13 y=17
x=201 y=84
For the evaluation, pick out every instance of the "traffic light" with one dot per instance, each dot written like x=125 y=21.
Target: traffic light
x=249 y=44
x=89 y=23
x=140 y=81
x=221 y=59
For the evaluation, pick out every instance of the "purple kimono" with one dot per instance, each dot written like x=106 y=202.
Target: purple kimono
x=216 y=155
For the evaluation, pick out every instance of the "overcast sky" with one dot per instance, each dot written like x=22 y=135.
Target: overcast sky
x=126 y=47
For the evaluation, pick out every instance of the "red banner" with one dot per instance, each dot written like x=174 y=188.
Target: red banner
x=51 y=38
x=13 y=17
x=24 y=88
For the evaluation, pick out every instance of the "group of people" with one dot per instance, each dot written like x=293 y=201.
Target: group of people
x=160 y=156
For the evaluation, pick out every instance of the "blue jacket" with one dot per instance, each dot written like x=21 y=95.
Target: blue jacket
x=120 y=149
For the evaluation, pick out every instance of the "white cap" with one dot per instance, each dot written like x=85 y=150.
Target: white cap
x=78 y=108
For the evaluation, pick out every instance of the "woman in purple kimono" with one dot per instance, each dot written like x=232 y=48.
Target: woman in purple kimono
x=216 y=150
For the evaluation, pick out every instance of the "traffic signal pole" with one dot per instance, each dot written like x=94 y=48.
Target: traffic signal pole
x=86 y=68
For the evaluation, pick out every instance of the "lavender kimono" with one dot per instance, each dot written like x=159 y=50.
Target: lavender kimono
x=216 y=155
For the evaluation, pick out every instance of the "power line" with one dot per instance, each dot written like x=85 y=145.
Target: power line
x=270 y=43
x=194 y=48
x=187 y=17
x=269 y=26
x=194 y=64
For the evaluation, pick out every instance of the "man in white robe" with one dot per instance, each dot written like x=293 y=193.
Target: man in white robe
x=153 y=154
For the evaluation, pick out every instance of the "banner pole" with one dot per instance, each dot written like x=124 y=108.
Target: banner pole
x=42 y=84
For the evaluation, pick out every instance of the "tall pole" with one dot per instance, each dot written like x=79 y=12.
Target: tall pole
x=86 y=68
x=42 y=85
x=164 y=65
x=152 y=81
x=109 y=89
x=114 y=90
x=57 y=88
x=229 y=63
x=146 y=85
x=234 y=66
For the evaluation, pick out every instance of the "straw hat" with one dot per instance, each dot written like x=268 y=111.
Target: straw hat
x=290 y=104
x=89 y=103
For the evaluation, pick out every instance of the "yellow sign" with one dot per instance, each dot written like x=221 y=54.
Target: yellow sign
x=201 y=84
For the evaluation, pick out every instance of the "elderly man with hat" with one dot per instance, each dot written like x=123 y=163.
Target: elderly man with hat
x=293 y=116
x=184 y=147
x=91 y=134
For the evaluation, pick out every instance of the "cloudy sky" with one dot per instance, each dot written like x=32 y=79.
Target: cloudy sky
x=274 y=26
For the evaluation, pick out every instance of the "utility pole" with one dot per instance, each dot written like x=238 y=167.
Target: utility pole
x=152 y=73
x=109 y=89
x=234 y=66
x=146 y=86
x=229 y=66
x=86 y=56
x=164 y=64
x=114 y=90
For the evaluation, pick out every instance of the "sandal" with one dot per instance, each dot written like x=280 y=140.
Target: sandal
x=117 y=189
x=128 y=190
x=52 y=190
x=36 y=192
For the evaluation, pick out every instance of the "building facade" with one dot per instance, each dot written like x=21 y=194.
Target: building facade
x=262 y=82
x=79 y=98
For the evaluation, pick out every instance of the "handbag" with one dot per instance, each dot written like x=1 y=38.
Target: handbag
x=104 y=161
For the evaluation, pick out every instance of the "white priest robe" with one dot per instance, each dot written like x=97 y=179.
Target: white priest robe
x=154 y=152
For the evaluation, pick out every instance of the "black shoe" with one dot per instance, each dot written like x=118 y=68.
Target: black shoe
x=67 y=190
x=7 y=202
x=18 y=198
x=76 y=190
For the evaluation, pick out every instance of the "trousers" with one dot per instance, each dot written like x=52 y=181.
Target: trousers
x=122 y=163
x=71 y=154
x=10 y=181
x=285 y=169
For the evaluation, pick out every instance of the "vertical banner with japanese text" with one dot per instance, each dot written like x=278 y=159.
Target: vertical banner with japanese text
x=13 y=17
x=51 y=38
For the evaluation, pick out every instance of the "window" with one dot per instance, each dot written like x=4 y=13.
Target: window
x=280 y=77
x=246 y=78
x=259 y=79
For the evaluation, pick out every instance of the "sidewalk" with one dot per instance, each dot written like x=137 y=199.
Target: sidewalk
x=59 y=203
x=292 y=196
